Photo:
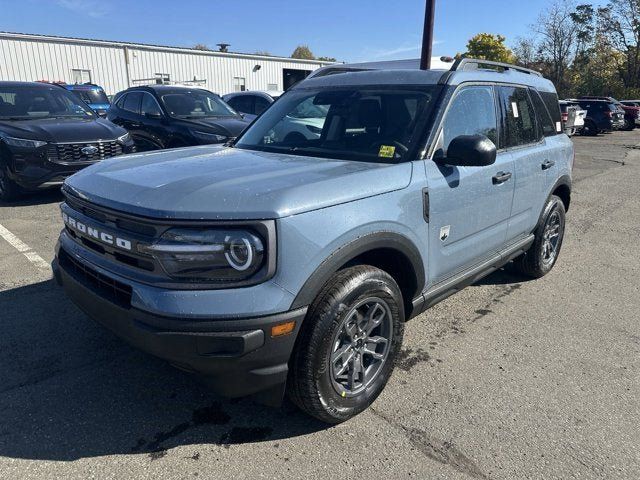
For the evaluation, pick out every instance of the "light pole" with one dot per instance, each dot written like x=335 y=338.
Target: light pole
x=427 y=35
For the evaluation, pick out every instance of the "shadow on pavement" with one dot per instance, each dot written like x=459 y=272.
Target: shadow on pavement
x=70 y=389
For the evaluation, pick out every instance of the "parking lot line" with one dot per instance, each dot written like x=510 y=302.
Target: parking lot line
x=24 y=249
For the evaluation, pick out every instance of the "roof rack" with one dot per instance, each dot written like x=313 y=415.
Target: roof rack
x=463 y=64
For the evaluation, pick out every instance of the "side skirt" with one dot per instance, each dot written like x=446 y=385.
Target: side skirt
x=445 y=289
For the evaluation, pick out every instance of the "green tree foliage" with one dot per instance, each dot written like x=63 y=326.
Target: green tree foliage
x=487 y=46
x=327 y=59
x=303 y=52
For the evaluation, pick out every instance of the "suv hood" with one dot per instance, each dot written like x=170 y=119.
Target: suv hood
x=213 y=182
x=62 y=130
x=229 y=126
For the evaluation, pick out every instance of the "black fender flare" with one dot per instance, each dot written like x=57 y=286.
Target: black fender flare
x=564 y=180
x=348 y=252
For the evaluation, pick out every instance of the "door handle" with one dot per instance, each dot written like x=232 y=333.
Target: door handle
x=547 y=164
x=501 y=177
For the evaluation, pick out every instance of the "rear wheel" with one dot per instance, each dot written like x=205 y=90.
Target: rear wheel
x=347 y=346
x=590 y=129
x=543 y=254
x=9 y=190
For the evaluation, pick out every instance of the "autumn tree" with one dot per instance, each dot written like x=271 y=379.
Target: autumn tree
x=303 y=52
x=487 y=46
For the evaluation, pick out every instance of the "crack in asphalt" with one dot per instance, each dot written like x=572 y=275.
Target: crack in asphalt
x=442 y=451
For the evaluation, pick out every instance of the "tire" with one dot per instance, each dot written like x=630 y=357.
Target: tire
x=589 y=129
x=330 y=330
x=9 y=190
x=543 y=253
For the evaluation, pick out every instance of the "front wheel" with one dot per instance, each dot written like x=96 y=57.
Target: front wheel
x=589 y=129
x=9 y=190
x=543 y=253
x=347 y=346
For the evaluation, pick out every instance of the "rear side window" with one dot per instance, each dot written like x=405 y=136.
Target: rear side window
x=132 y=102
x=550 y=100
x=518 y=117
x=472 y=112
x=544 y=119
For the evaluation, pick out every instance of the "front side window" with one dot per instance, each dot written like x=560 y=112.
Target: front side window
x=354 y=123
x=132 y=102
x=196 y=104
x=261 y=105
x=242 y=103
x=471 y=112
x=150 y=105
x=519 y=118
x=27 y=102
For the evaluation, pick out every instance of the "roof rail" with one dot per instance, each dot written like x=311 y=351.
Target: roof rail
x=463 y=64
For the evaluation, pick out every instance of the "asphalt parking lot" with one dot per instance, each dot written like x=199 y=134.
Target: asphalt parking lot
x=509 y=379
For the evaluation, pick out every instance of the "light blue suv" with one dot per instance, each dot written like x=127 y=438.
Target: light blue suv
x=285 y=263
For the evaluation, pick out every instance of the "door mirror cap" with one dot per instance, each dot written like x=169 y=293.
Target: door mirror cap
x=471 y=151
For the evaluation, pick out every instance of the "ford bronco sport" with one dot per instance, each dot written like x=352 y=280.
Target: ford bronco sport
x=282 y=264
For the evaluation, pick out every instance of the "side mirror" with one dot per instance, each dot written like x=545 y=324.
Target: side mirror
x=471 y=151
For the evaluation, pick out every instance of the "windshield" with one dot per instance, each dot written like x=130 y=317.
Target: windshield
x=92 y=97
x=196 y=104
x=28 y=102
x=375 y=124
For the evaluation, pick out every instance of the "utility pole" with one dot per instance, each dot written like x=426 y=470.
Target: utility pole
x=427 y=35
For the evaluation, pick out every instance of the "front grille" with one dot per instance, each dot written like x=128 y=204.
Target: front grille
x=108 y=288
x=72 y=152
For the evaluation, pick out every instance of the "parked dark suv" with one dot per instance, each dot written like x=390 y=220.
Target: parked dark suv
x=163 y=116
x=602 y=116
x=47 y=134
x=631 y=112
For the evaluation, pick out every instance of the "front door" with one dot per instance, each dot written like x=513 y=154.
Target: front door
x=469 y=207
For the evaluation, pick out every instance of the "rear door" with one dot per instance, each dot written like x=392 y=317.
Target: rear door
x=469 y=207
x=524 y=138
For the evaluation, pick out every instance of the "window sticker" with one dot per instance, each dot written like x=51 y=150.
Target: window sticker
x=514 y=109
x=387 y=151
x=559 y=126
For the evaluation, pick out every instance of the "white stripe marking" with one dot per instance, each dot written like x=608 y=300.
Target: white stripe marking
x=24 y=249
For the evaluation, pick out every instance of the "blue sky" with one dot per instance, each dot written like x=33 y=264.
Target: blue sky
x=350 y=30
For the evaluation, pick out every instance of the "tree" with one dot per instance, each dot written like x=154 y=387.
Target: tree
x=619 y=22
x=303 y=52
x=264 y=53
x=487 y=46
x=201 y=46
x=326 y=59
x=556 y=29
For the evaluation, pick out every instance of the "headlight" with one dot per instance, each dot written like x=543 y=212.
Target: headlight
x=208 y=255
x=126 y=138
x=23 y=142
x=209 y=137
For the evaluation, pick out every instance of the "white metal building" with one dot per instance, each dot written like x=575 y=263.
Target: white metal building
x=119 y=65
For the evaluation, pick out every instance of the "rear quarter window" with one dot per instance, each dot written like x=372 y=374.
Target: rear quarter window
x=545 y=122
x=550 y=100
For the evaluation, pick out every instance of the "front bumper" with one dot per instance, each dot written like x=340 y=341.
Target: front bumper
x=31 y=168
x=237 y=357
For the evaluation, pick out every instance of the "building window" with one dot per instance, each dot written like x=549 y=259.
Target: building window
x=239 y=84
x=80 y=76
x=272 y=87
x=162 y=78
